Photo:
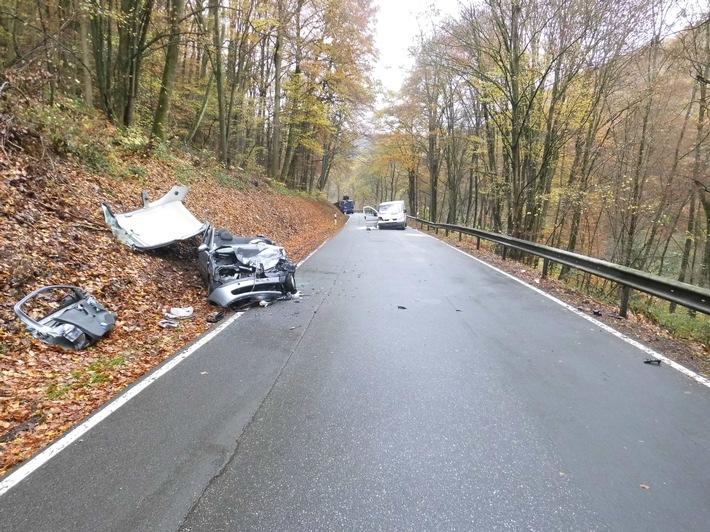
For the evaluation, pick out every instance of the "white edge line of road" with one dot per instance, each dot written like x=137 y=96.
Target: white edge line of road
x=685 y=371
x=77 y=432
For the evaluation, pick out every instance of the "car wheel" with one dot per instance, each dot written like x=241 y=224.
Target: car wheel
x=290 y=283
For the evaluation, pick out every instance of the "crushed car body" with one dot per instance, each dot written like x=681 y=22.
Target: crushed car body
x=72 y=318
x=244 y=269
x=156 y=224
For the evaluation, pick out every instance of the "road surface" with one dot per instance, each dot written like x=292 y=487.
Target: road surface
x=410 y=388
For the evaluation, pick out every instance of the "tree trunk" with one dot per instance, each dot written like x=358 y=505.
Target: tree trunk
x=85 y=54
x=160 y=120
x=275 y=158
x=214 y=7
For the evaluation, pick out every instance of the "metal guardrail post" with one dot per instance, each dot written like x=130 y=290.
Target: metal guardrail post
x=545 y=265
x=624 y=305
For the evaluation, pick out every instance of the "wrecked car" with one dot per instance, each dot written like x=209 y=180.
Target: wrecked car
x=156 y=224
x=72 y=318
x=244 y=269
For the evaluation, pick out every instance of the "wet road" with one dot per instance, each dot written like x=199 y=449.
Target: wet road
x=411 y=388
x=432 y=393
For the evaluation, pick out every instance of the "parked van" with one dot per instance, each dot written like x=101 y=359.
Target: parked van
x=392 y=214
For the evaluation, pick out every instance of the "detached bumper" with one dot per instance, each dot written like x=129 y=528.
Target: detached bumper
x=264 y=289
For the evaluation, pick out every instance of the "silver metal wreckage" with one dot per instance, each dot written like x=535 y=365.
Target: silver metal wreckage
x=241 y=270
x=236 y=270
x=73 y=319
x=156 y=224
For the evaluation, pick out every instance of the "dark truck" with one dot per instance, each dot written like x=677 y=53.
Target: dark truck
x=346 y=205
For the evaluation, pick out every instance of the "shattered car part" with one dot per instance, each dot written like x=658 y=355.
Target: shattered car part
x=244 y=269
x=181 y=312
x=77 y=322
x=156 y=224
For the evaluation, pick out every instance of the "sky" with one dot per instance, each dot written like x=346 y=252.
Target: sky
x=396 y=29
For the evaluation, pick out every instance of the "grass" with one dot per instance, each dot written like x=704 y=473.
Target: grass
x=227 y=180
x=682 y=323
x=97 y=372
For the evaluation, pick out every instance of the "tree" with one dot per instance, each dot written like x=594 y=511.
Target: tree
x=176 y=13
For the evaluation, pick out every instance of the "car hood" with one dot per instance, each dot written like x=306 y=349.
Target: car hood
x=156 y=224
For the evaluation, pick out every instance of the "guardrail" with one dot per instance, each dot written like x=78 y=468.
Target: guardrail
x=684 y=294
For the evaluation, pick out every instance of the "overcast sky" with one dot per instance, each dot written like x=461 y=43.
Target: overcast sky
x=397 y=27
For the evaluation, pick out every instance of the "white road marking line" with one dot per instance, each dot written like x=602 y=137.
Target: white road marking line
x=672 y=363
x=112 y=406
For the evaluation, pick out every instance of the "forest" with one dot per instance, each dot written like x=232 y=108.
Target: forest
x=558 y=121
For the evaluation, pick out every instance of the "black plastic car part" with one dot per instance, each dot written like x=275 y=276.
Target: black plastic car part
x=76 y=320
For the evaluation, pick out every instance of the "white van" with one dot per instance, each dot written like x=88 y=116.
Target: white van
x=392 y=214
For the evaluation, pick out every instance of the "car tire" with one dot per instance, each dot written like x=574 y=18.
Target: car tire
x=290 y=283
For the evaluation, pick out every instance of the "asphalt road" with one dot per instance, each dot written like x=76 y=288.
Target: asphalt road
x=410 y=388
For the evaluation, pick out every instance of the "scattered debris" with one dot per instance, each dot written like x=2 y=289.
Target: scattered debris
x=217 y=317
x=169 y=324
x=72 y=319
x=597 y=312
x=654 y=361
x=401 y=307
x=184 y=312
